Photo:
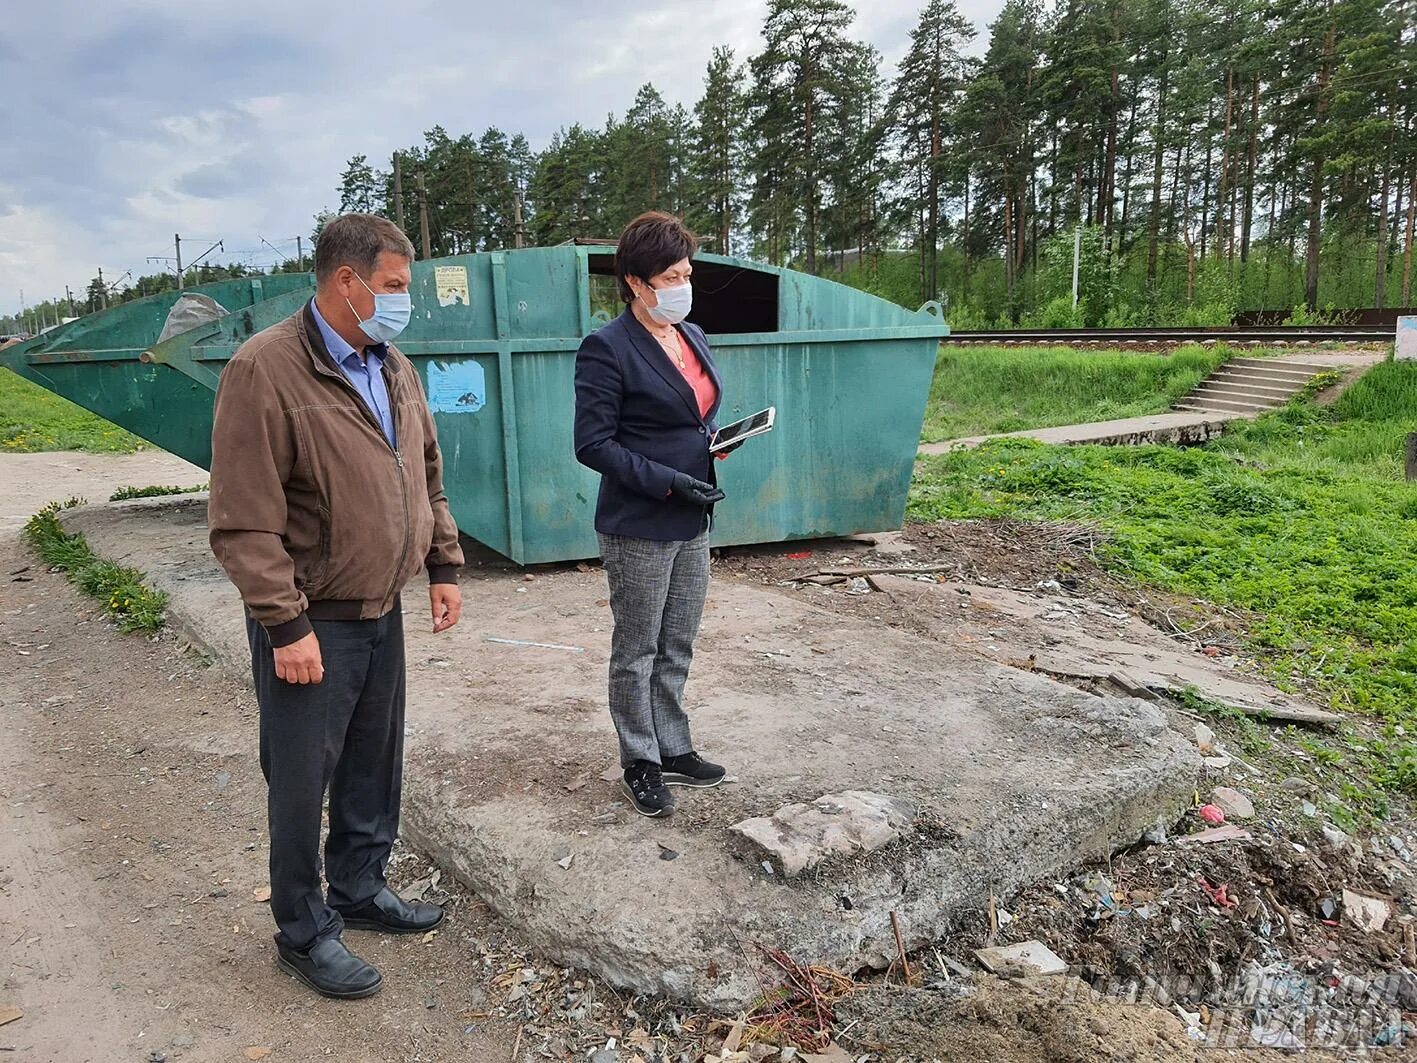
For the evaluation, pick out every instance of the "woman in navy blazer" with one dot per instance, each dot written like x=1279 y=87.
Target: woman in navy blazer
x=647 y=393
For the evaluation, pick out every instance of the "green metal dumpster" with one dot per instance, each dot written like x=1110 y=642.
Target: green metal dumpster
x=97 y=362
x=494 y=337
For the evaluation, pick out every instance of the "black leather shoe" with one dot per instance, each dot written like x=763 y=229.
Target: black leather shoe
x=390 y=913
x=331 y=969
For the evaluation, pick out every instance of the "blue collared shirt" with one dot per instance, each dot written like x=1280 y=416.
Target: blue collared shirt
x=365 y=373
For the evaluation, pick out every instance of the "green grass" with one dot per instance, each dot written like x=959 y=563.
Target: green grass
x=125 y=598
x=33 y=419
x=153 y=491
x=986 y=390
x=1302 y=519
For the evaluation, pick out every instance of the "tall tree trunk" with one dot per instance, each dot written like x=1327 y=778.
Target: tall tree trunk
x=1248 y=215
x=1130 y=154
x=933 y=180
x=1316 y=182
x=1008 y=244
x=1205 y=177
x=965 y=233
x=1184 y=140
x=1380 y=279
x=1159 y=151
x=1407 y=239
x=1109 y=166
x=1220 y=240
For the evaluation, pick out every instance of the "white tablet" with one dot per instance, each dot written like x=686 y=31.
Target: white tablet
x=731 y=436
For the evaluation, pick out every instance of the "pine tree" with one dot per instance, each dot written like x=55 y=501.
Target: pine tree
x=800 y=73
x=715 y=153
x=923 y=103
x=357 y=188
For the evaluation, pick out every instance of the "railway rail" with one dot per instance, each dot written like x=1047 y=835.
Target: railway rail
x=1262 y=335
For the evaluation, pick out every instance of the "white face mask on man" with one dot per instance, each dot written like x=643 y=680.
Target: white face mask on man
x=672 y=304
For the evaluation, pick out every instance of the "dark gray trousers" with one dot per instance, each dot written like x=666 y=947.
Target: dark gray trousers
x=657 y=592
x=344 y=735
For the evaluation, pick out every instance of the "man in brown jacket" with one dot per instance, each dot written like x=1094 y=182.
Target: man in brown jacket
x=327 y=497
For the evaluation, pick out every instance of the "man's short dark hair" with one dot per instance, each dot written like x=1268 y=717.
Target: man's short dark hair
x=650 y=245
x=357 y=240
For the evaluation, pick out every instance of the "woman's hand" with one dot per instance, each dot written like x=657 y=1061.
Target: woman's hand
x=688 y=489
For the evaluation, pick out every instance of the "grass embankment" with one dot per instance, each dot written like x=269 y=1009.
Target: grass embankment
x=986 y=390
x=32 y=419
x=125 y=598
x=1302 y=519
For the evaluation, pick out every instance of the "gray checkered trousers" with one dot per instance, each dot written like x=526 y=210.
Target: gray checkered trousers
x=657 y=592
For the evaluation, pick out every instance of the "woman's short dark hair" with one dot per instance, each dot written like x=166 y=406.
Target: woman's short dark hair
x=650 y=245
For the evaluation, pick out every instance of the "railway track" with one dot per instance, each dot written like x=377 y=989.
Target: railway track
x=1261 y=335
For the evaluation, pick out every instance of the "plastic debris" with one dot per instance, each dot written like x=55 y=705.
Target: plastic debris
x=1212 y=814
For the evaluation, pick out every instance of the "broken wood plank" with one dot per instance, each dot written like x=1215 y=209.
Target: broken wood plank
x=893 y=570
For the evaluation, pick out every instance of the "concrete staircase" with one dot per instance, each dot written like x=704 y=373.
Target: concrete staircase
x=1250 y=386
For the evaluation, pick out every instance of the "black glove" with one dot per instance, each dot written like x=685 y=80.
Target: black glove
x=687 y=489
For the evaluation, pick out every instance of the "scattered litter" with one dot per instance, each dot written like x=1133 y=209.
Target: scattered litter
x=1227 y=833
x=1310 y=809
x=429 y=937
x=1212 y=814
x=1369 y=914
x=1205 y=738
x=800 y=555
x=536 y=645
x=767 y=866
x=9 y=1013
x=261 y=895
x=1219 y=895
x=666 y=853
x=1026 y=954
x=565 y=864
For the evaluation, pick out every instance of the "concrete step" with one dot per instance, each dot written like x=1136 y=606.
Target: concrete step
x=1287 y=381
x=1269 y=363
x=1205 y=402
x=1268 y=372
x=1259 y=391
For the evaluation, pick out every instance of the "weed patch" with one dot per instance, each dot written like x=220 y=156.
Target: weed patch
x=130 y=603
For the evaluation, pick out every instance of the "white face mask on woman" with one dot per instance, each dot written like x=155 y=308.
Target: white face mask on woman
x=673 y=304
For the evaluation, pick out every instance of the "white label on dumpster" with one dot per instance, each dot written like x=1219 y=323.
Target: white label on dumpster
x=456 y=387
x=452 y=285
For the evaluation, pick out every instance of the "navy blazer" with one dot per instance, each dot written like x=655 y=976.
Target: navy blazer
x=637 y=424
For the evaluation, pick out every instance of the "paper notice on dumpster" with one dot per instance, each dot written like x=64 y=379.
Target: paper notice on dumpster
x=456 y=387
x=452 y=285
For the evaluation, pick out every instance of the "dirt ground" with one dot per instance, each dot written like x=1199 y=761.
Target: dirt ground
x=132 y=853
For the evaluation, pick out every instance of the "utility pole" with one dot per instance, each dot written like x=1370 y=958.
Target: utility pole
x=177 y=242
x=300 y=254
x=68 y=301
x=423 y=216
x=519 y=232
x=103 y=289
x=398 y=190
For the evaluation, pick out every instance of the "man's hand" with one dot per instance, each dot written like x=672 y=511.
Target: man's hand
x=447 y=605
x=300 y=661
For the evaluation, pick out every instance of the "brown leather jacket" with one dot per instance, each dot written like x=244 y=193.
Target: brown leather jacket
x=312 y=514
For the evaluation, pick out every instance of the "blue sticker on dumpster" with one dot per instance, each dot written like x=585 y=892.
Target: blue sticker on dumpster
x=456 y=387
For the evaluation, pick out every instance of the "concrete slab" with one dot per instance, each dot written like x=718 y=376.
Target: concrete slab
x=1163 y=428
x=1011 y=776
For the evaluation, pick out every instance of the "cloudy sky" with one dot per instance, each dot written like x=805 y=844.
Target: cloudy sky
x=128 y=121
